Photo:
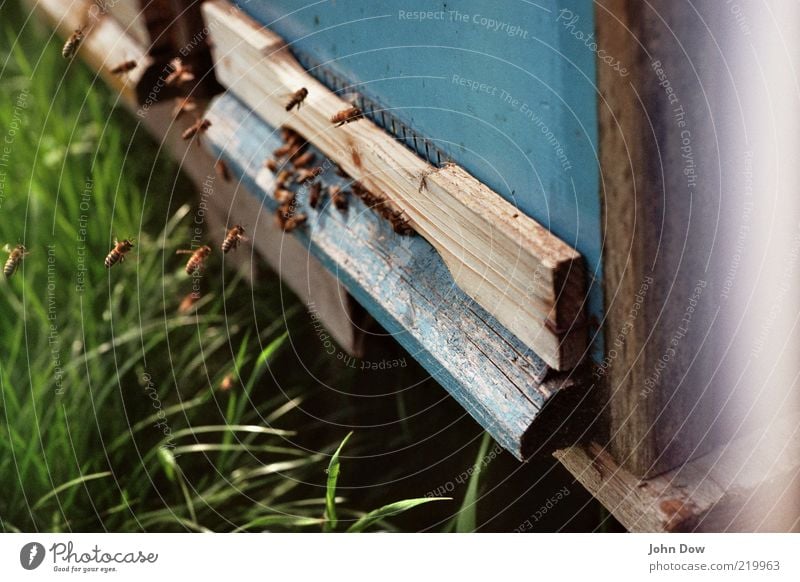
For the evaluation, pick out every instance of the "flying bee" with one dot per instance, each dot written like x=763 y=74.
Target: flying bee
x=306 y=174
x=117 y=254
x=197 y=128
x=73 y=44
x=187 y=303
x=271 y=165
x=227 y=383
x=314 y=194
x=346 y=116
x=182 y=106
x=15 y=257
x=303 y=160
x=234 y=236
x=123 y=67
x=222 y=170
x=180 y=73
x=338 y=197
x=297 y=98
x=197 y=262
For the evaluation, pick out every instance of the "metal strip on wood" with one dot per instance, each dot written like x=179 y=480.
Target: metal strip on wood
x=531 y=281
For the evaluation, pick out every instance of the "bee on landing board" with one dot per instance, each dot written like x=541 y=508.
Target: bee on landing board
x=288 y=219
x=73 y=44
x=234 y=236
x=314 y=194
x=346 y=116
x=197 y=262
x=303 y=160
x=338 y=197
x=123 y=67
x=15 y=257
x=271 y=165
x=307 y=174
x=198 y=128
x=297 y=99
x=117 y=254
x=283 y=195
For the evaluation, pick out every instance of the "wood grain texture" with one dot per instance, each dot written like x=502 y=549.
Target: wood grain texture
x=747 y=485
x=661 y=216
x=404 y=283
x=531 y=281
x=105 y=44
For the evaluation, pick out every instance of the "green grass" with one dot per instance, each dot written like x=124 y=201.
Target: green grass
x=111 y=415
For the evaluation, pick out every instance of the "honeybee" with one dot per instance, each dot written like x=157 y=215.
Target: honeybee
x=271 y=165
x=188 y=302
x=73 y=44
x=117 y=254
x=314 y=194
x=297 y=99
x=15 y=257
x=234 y=236
x=400 y=223
x=123 y=67
x=288 y=134
x=346 y=116
x=284 y=150
x=197 y=262
x=227 y=383
x=180 y=73
x=303 y=160
x=284 y=176
x=338 y=197
x=306 y=175
x=182 y=106
x=288 y=219
x=222 y=170
x=197 y=128
x=284 y=196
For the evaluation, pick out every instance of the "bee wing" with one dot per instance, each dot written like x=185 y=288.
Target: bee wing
x=7 y=248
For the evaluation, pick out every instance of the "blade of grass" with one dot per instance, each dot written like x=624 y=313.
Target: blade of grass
x=466 y=521
x=390 y=511
x=330 y=493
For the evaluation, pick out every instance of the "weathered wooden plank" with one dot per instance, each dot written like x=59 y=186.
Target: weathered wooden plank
x=130 y=14
x=407 y=287
x=663 y=223
x=105 y=43
x=530 y=280
x=750 y=484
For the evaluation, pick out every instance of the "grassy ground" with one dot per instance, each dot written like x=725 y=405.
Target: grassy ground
x=112 y=411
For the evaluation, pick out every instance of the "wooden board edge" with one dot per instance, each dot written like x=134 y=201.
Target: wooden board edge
x=502 y=281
